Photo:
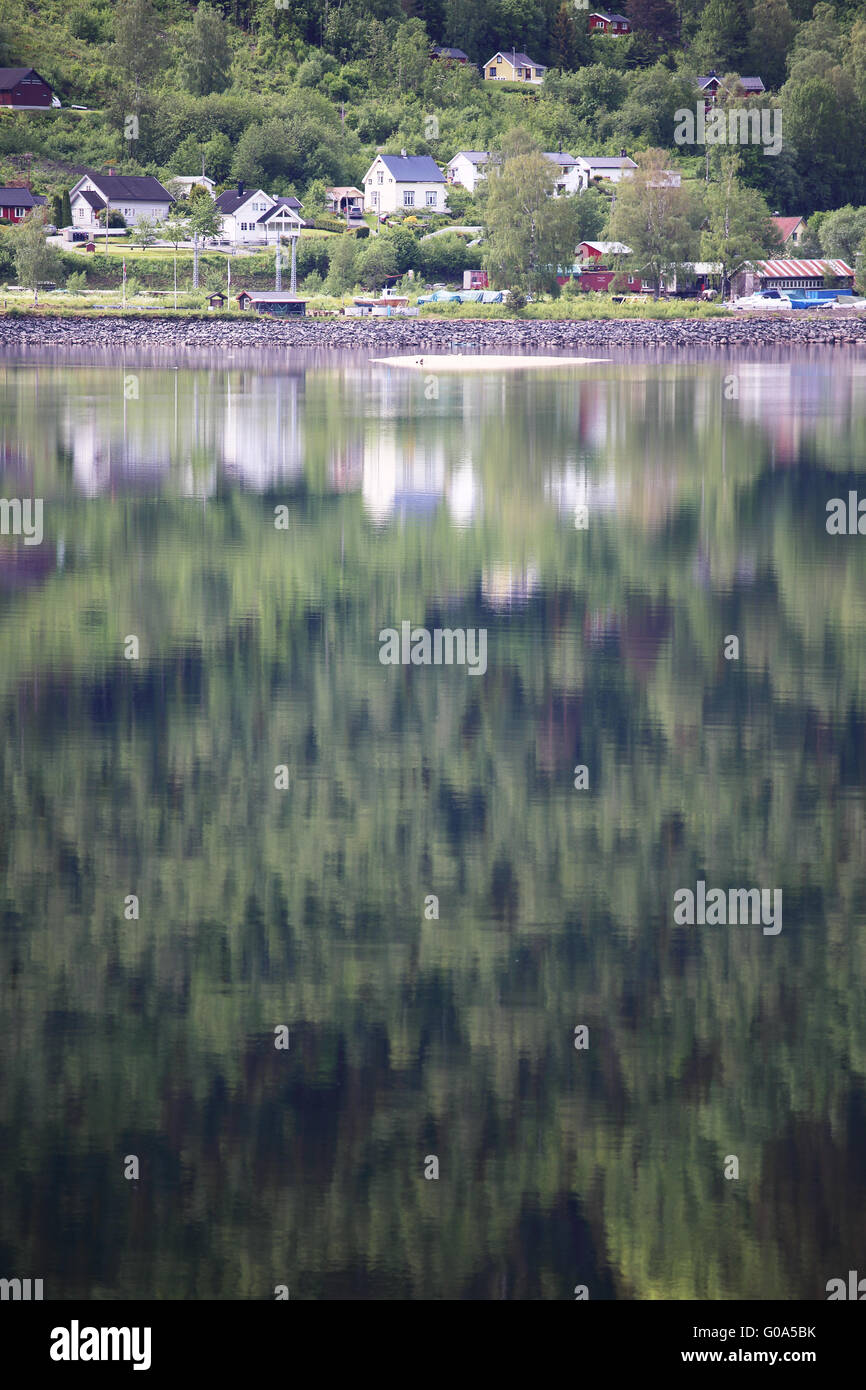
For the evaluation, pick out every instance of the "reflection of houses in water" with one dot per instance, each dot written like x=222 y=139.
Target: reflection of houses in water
x=409 y=478
x=346 y=467
x=262 y=436
x=403 y=477
x=506 y=586
x=464 y=493
x=788 y=400
x=572 y=487
x=247 y=425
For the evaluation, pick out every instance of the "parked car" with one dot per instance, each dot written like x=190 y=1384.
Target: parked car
x=763 y=299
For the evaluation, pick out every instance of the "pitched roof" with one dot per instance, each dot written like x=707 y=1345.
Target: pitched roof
x=474 y=156
x=130 y=188
x=748 y=84
x=457 y=53
x=518 y=60
x=10 y=196
x=611 y=18
x=93 y=199
x=561 y=157
x=787 y=225
x=602 y=162
x=271 y=297
x=231 y=200
x=281 y=205
x=785 y=269
x=10 y=77
x=608 y=248
x=343 y=190
x=414 y=168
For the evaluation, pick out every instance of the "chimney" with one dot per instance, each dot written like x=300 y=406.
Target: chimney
x=402 y=154
x=623 y=155
x=240 y=188
x=111 y=171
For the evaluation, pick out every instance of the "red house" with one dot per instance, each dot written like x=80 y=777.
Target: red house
x=25 y=90
x=602 y=22
x=15 y=203
x=595 y=272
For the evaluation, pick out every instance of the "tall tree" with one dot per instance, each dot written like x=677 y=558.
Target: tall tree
x=529 y=233
x=723 y=37
x=35 y=260
x=771 y=36
x=739 y=227
x=655 y=17
x=208 y=58
x=563 y=46
x=657 y=220
x=841 y=233
x=139 y=42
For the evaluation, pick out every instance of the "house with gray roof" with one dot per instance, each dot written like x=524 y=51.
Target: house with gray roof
x=509 y=65
x=250 y=214
x=405 y=183
x=134 y=195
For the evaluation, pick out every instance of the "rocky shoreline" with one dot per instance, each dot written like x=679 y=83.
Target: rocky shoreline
x=388 y=335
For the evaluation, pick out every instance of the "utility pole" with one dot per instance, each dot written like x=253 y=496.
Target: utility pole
x=278 y=286
x=294 y=265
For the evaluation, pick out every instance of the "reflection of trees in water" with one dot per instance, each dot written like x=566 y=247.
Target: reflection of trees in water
x=454 y=1036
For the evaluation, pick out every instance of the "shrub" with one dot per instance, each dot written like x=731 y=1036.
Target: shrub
x=76 y=281
x=517 y=297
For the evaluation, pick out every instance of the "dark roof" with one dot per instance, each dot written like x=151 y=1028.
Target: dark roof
x=270 y=297
x=475 y=156
x=415 y=168
x=10 y=77
x=130 y=188
x=457 y=53
x=93 y=199
x=20 y=198
x=291 y=203
x=611 y=18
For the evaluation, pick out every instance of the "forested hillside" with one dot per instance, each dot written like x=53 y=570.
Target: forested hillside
x=290 y=94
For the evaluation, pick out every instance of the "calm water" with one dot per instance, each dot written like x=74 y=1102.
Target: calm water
x=450 y=502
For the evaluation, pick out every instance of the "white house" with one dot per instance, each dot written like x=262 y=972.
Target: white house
x=249 y=214
x=467 y=168
x=567 y=172
x=185 y=182
x=134 y=195
x=597 y=167
x=397 y=183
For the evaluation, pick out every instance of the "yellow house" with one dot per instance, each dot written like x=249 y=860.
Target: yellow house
x=511 y=66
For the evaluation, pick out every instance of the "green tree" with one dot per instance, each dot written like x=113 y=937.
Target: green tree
x=723 y=36
x=35 y=260
x=146 y=231
x=411 y=55
x=342 y=266
x=207 y=58
x=770 y=38
x=204 y=222
x=529 y=232
x=66 y=213
x=841 y=233
x=656 y=220
x=655 y=17
x=57 y=209
x=739 y=226
x=376 y=260
x=562 y=42
x=139 y=43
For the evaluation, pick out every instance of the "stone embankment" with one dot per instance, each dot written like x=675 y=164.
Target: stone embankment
x=385 y=336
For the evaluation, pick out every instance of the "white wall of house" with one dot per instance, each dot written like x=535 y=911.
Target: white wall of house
x=463 y=171
x=384 y=193
x=243 y=224
x=83 y=215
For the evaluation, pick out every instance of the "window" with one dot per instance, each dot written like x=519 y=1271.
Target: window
x=380 y=177
x=431 y=197
x=374 y=198
x=492 y=72
x=408 y=198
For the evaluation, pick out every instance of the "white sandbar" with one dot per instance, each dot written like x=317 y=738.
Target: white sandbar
x=480 y=362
